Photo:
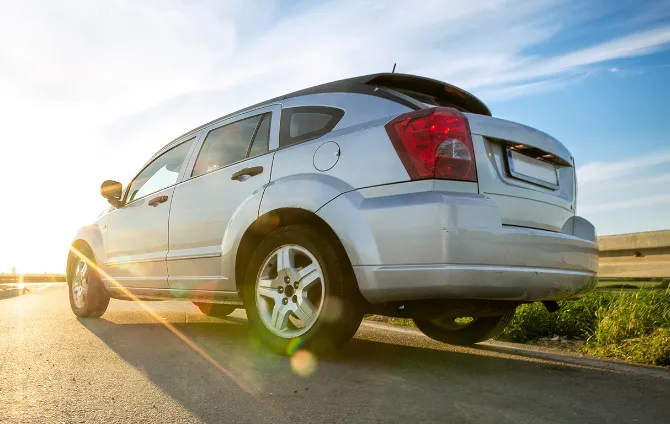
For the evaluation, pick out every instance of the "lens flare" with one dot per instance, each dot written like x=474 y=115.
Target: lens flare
x=293 y=346
x=228 y=373
x=303 y=363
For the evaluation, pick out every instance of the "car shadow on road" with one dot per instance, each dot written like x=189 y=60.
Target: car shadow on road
x=219 y=369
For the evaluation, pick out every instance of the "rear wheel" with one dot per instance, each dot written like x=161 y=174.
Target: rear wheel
x=463 y=332
x=88 y=297
x=299 y=293
x=215 y=310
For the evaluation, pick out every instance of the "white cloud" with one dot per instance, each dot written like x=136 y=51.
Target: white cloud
x=509 y=92
x=607 y=171
x=637 y=202
x=91 y=89
x=626 y=195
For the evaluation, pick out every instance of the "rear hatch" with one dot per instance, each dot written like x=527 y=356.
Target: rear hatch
x=529 y=174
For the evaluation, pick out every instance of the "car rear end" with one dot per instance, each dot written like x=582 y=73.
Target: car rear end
x=485 y=208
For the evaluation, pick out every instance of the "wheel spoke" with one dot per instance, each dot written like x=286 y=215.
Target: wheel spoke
x=268 y=288
x=308 y=275
x=269 y=292
x=268 y=283
x=305 y=310
x=280 y=316
x=284 y=259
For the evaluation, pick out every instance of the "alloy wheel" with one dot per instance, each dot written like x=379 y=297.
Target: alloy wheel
x=80 y=284
x=290 y=291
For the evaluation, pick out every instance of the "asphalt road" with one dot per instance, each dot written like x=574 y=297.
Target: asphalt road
x=130 y=367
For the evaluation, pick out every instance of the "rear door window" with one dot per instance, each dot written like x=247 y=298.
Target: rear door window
x=225 y=145
x=304 y=123
x=261 y=142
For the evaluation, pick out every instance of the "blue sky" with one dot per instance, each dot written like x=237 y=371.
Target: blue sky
x=91 y=89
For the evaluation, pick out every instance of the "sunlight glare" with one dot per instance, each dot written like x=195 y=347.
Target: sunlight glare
x=303 y=363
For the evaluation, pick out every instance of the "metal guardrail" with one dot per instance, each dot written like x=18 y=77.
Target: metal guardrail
x=31 y=278
x=635 y=256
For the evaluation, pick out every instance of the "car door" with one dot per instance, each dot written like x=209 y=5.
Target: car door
x=137 y=232
x=231 y=166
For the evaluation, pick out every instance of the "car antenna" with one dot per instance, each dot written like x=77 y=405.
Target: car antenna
x=393 y=70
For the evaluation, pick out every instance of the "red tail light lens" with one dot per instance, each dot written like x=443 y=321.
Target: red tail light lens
x=434 y=143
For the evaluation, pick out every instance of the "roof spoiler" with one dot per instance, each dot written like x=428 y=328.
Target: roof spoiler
x=437 y=89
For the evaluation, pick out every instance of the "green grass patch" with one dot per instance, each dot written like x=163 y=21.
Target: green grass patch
x=634 y=326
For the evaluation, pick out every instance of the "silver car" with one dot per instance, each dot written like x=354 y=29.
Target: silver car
x=388 y=194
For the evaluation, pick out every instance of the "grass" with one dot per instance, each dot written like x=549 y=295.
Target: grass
x=630 y=325
x=634 y=326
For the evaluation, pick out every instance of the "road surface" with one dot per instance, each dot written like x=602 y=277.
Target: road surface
x=184 y=367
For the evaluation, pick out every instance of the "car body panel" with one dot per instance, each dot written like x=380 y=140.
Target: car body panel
x=202 y=209
x=398 y=233
x=137 y=242
x=507 y=130
x=94 y=235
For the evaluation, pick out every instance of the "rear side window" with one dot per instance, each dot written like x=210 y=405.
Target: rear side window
x=233 y=143
x=304 y=123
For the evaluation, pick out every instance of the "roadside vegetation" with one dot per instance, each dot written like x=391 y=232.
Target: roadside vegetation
x=629 y=325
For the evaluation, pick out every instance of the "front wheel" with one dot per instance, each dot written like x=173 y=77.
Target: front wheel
x=299 y=293
x=456 y=331
x=88 y=297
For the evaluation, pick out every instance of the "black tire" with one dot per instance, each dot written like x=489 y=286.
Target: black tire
x=480 y=329
x=97 y=298
x=342 y=307
x=216 y=310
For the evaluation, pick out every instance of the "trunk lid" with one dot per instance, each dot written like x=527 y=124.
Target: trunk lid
x=529 y=174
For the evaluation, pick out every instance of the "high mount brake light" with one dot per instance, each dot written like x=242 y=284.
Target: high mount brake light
x=434 y=143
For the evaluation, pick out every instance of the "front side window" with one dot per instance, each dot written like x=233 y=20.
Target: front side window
x=304 y=123
x=162 y=172
x=225 y=145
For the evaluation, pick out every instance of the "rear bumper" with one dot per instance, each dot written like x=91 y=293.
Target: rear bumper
x=431 y=244
x=380 y=284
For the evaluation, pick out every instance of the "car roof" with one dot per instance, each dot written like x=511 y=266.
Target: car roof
x=366 y=84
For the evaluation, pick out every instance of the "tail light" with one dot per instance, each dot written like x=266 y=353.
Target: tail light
x=434 y=143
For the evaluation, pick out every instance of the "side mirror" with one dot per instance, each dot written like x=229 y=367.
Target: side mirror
x=112 y=191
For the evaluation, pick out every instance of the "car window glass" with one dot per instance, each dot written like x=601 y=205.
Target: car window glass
x=160 y=173
x=261 y=141
x=303 y=123
x=225 y=145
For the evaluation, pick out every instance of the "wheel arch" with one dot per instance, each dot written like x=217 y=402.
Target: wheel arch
x=277 y=218
x=89 y=240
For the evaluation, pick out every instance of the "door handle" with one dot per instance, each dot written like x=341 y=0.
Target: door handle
x=245 y=173
x=157 y=201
